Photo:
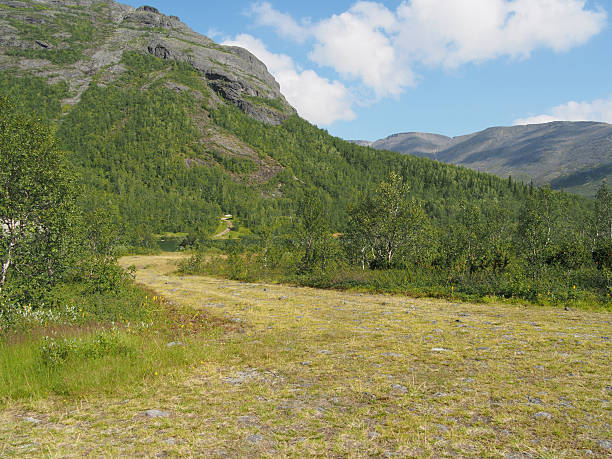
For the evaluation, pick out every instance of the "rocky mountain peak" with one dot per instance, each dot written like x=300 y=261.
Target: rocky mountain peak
x=54 y=47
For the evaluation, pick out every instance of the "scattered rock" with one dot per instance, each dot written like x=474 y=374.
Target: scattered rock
x=542 y=415
x=32 y=420
x=439 y=349
x=170 y=441
x=399 y=388
x=324 y=351
x=482 y=349
x=392 y=354
x=242 y=376
x=156 y=414
x=249 y=420
x=441 y=428
x=605 y=444
x=305 y=363
x=373 y=435
x=534 y=400
x=174 y=343
x=254 y=439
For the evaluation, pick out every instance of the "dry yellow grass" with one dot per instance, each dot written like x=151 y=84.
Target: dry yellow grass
x=342 y=374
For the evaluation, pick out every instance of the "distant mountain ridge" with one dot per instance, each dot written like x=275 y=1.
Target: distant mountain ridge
x=569 y=155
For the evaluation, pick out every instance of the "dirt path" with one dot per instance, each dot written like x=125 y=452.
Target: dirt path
x=343 y=374
x=230 y=225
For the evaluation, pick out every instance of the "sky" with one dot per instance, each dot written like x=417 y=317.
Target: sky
x=369 y=69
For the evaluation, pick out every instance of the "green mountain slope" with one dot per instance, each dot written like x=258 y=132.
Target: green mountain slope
x=575 y=156
x=170 y=130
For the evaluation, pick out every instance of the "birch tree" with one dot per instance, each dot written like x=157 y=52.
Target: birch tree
x=36 y=198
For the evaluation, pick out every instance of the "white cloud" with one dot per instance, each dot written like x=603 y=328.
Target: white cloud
x=285 y=25
x=454 y=32
x=380 y=47
x=315 y=98
x=598 y=110
x=357 y=45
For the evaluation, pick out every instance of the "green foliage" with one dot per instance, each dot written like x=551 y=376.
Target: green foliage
x=273 y=103
x=37 y=211
x=388 y=225
x=33 y=95
x=57 y=352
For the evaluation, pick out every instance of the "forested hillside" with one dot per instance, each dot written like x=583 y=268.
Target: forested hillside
x=167 y=131
x=164 y=148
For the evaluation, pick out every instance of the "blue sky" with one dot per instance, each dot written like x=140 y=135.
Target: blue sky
x=365 y=70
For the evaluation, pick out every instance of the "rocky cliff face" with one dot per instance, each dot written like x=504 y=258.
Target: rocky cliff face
x=83 y=41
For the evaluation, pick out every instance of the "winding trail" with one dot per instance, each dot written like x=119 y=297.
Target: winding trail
x=230 y=225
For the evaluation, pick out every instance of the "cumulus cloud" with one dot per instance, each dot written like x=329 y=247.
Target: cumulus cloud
x=380 y=47
x=285 y=25
x=598 y=110
x=358 y=44
x=316 y=99
x=454 y=32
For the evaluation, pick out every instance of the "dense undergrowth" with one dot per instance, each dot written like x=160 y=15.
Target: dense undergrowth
x=555 y=289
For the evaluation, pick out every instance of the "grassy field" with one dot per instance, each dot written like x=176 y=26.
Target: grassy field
x=298 y=372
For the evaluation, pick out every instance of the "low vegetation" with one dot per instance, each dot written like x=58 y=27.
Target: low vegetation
x=307 y=372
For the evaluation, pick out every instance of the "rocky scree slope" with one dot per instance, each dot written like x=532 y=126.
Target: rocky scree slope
x=574 y=156
x=78 y=41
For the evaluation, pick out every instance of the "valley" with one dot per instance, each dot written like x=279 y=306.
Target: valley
x=307 y=372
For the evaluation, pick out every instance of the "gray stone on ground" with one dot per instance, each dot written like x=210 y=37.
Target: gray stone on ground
x=156 y=414
x=32 y=420
x=399 y=388
x=605 y=444
x=254 y=439
x=542 y=415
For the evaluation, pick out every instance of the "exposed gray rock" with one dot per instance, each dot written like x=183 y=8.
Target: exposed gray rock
x=542 y=415
x=254 y=439
x=235 y=75
x=605 y=444
x=156 y=414
x=149 y=9
x=32 y=420
x=399 y=388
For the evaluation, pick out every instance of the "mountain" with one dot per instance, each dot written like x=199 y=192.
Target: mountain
x=574 y=156
x=169 y=130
